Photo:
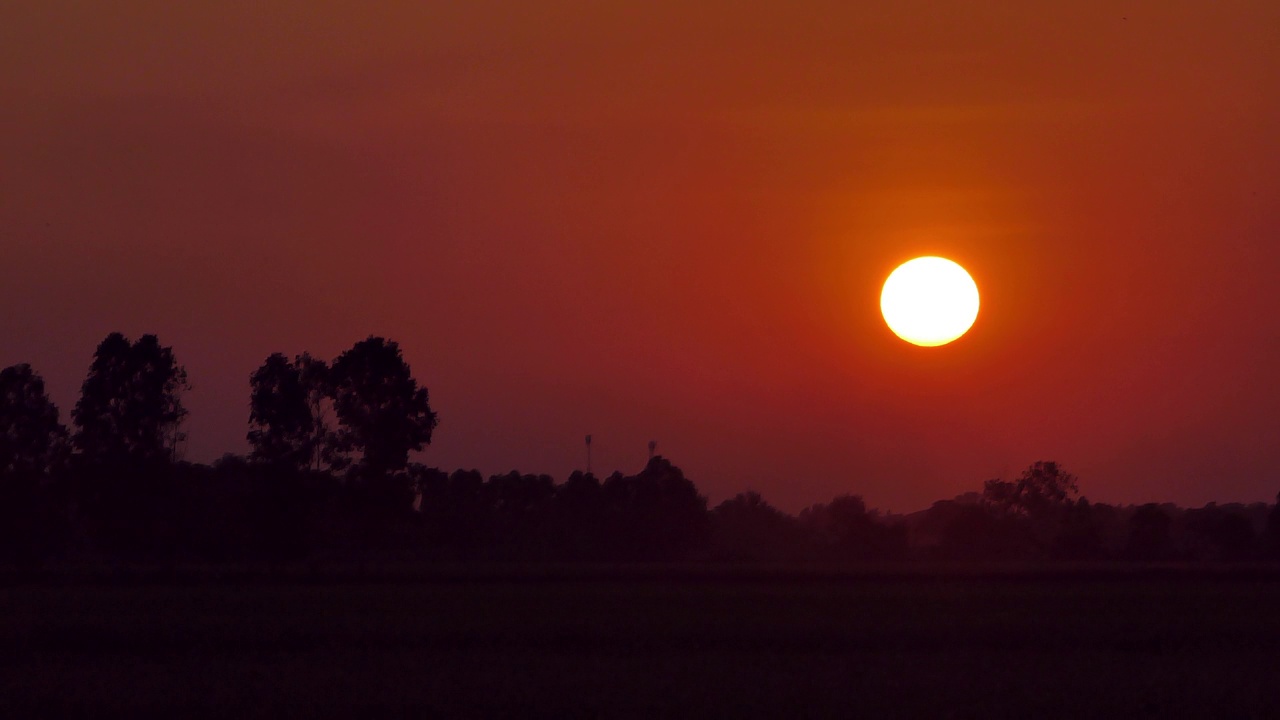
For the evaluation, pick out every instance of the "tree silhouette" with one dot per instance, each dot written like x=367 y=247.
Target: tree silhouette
x=383 y=413
x=1218 y=533
x=655 y=515
x=1079 y=536
x=130 y=410
x=968 y=528
x=124 y=496
x=579 y=517
x=848 y=531
x=454 y=509
x=1149 y=533
x=286 y=420
x=33 y=449
x=33 y=443
x=1043 y=490
x=1273 y=529
x=521 y=506
x=1042 y=501
x=315 y=375
x=746 y=528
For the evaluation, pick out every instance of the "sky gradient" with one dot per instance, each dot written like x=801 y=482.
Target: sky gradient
x=646 y=221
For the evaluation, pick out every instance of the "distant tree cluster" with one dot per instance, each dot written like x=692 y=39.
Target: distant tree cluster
x=330 y=477
x=1041 y=516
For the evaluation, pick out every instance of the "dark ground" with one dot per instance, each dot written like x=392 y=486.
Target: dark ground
x=649 y=644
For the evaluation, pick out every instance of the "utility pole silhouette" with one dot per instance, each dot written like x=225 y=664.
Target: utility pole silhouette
x=588 y=454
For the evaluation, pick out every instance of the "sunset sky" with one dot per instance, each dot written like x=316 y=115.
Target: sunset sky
x=646 y=220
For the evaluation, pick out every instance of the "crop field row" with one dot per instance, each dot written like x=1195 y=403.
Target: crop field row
x=954 y=647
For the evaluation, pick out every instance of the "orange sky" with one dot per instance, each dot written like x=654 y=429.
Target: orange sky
x=645 y=221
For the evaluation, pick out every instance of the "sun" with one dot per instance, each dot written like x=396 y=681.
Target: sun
x=929 y=301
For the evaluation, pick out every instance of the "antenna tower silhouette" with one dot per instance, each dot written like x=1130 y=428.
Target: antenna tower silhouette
x=588 y=454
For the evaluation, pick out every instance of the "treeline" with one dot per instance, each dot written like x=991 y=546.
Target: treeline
x=329 y=478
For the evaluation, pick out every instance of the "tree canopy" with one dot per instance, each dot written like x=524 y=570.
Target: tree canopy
x=33 y=442
x=382 y=411
x=287 y=427
x=130 y=410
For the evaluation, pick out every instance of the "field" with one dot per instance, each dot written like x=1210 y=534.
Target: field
x=646 y=646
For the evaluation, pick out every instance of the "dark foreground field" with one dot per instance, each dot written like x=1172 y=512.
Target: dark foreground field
x=979 y=647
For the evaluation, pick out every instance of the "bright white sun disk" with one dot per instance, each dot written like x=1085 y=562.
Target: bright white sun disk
x=929 y=301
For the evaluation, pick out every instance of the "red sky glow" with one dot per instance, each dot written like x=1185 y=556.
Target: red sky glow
x=643 y=220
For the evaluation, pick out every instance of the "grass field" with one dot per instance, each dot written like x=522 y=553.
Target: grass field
x=643 y=647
